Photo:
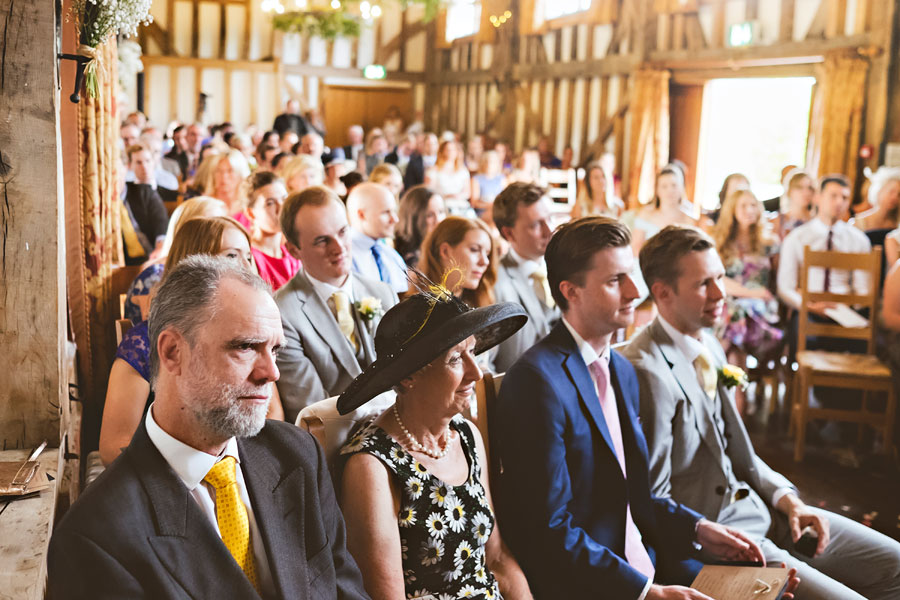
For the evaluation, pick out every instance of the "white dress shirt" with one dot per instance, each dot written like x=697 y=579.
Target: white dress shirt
x=325 y=290
x=191 y=466
x=529 y=267
x=589 y=355
x=690 y=347
x=814 y=233
x=364 y=261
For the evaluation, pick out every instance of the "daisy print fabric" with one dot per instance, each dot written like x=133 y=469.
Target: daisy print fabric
x=443 y=528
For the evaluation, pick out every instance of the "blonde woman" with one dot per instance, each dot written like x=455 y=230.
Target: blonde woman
x=390 y=177
x=747 y=250
x=220 y=176
x=449 y=178
x=884 y=196
x=301 y=172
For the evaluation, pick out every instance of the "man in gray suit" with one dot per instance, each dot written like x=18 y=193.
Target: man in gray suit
x=329 y=314
x=522 y=214
x=700 y=453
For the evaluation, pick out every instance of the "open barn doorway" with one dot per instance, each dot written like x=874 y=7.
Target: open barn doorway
x=755 y=126
x=366 y=105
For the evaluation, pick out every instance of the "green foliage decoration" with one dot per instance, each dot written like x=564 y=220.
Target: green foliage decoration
x=325 y=24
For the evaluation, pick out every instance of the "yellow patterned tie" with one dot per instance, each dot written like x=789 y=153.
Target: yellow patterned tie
x=709 y=378
x=231 y=515
x=345 y=318
x=542 y=287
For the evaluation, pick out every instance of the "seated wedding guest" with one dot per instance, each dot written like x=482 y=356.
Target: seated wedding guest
x=487 y=183
x=389 y=176
x=142 y=198
x=265 y=152
x=328 y=337
x=376 y=150
x=699 y=452
x=467 y=244
x=419 y=213
x=335 y=170
x=313 y=145
x=796 y=204
x=291 y=120
x=747 y=250
x=422 y=159
x=574 y=497
x=545 y=150
x=474 y=153
x=220 y=176
x=884 y=196
x=593 y=199
x=372 y=213
x=527 y=167
x=668 y=207
x=137 y=300
x=301 y=172
x=450 y=179
x=443 y=543
x=210 y=499
x=888 y=347
x=129 y=394
x=265 y=193
x=163 y=174
x=287 y=141
x=826 y=231
x=567 y=160
x=356 y=145
x=732 y=183
x=393 y=126
x=179 y=151
x=522 y=214
x=401 y=155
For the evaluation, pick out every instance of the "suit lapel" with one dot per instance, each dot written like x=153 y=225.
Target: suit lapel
x=276 y=507
x=326 y=325
x=584 y=384
x=184 y=532
x=686 y=377
x=362 y=328
x=526 y=293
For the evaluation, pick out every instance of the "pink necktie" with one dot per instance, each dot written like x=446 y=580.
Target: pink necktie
x=635 y=552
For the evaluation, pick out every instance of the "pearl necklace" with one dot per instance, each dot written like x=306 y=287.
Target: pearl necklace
x=413 y=443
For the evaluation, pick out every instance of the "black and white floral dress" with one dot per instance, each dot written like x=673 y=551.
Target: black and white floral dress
x=443 y=528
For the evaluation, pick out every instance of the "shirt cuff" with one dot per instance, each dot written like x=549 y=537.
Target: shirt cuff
x=646 y=589
x=781 y=493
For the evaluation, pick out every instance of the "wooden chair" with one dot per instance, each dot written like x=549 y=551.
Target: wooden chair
x=562 y=187
x=486 y=392
x=122 y=327
x=839 y=369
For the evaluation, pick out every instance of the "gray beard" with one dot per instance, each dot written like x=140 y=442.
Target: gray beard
x=222 y=413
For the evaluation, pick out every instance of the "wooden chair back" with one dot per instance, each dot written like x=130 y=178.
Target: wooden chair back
x=562 y=188
x=870 y=262
x=486 y=392
x=122 y=327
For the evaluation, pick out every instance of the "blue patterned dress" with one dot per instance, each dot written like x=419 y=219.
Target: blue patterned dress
x=135 y=349
x=443 y=528
x=141 y=286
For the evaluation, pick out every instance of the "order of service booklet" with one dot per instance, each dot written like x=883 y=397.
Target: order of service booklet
x=724 y=582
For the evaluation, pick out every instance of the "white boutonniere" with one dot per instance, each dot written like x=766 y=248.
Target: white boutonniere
x=369 y=308
x=733 y=376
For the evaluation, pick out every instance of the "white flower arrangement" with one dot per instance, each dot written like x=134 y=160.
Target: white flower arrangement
x=96 y=20
x=130 y=63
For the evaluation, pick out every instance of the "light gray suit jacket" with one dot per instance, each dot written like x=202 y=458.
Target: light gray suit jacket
x=514 y=286
x=687 y=460
x=317 y=361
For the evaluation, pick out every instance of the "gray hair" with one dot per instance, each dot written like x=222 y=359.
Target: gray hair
x=184 y=300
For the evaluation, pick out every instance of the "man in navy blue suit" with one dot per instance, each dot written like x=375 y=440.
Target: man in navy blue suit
x=574 y=495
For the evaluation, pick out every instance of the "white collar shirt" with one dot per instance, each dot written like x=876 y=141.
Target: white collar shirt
x=191 y=466
x=393 y=265
x=814 y=233
x=326 y=290
x=527 y=266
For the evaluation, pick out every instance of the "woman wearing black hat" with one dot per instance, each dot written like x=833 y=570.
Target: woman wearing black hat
x=415 y=498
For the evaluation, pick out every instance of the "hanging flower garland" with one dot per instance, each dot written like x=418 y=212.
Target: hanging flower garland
x=96 y=20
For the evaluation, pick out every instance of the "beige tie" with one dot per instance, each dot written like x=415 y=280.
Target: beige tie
x=709 y=377
x=542 y=287
x=345 y=318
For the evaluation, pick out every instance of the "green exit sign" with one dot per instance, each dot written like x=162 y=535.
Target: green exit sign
x=374 y=72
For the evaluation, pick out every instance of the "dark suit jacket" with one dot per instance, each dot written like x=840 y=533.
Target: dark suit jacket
x=291 y=122
x=136 y=532
x=148 y=209
x=562 y=494
x=415 y=171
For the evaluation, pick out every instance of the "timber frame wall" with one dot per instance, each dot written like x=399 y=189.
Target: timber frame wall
x=572 y=81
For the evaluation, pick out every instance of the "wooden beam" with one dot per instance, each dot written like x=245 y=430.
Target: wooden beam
x=170 y=25
x=807 y=51
x=396 y=43
x=195 y=28
x=32 y=257
x=837 y=16
x=786 y=22
x=248 y=22
x=879 y=84
x=159 y=35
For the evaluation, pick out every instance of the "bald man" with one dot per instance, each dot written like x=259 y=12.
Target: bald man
x=372 y=211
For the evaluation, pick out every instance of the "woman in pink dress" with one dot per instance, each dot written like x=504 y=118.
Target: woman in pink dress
x=265 y=194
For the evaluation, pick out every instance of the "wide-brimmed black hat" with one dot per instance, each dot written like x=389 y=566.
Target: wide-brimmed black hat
x=419 y=329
